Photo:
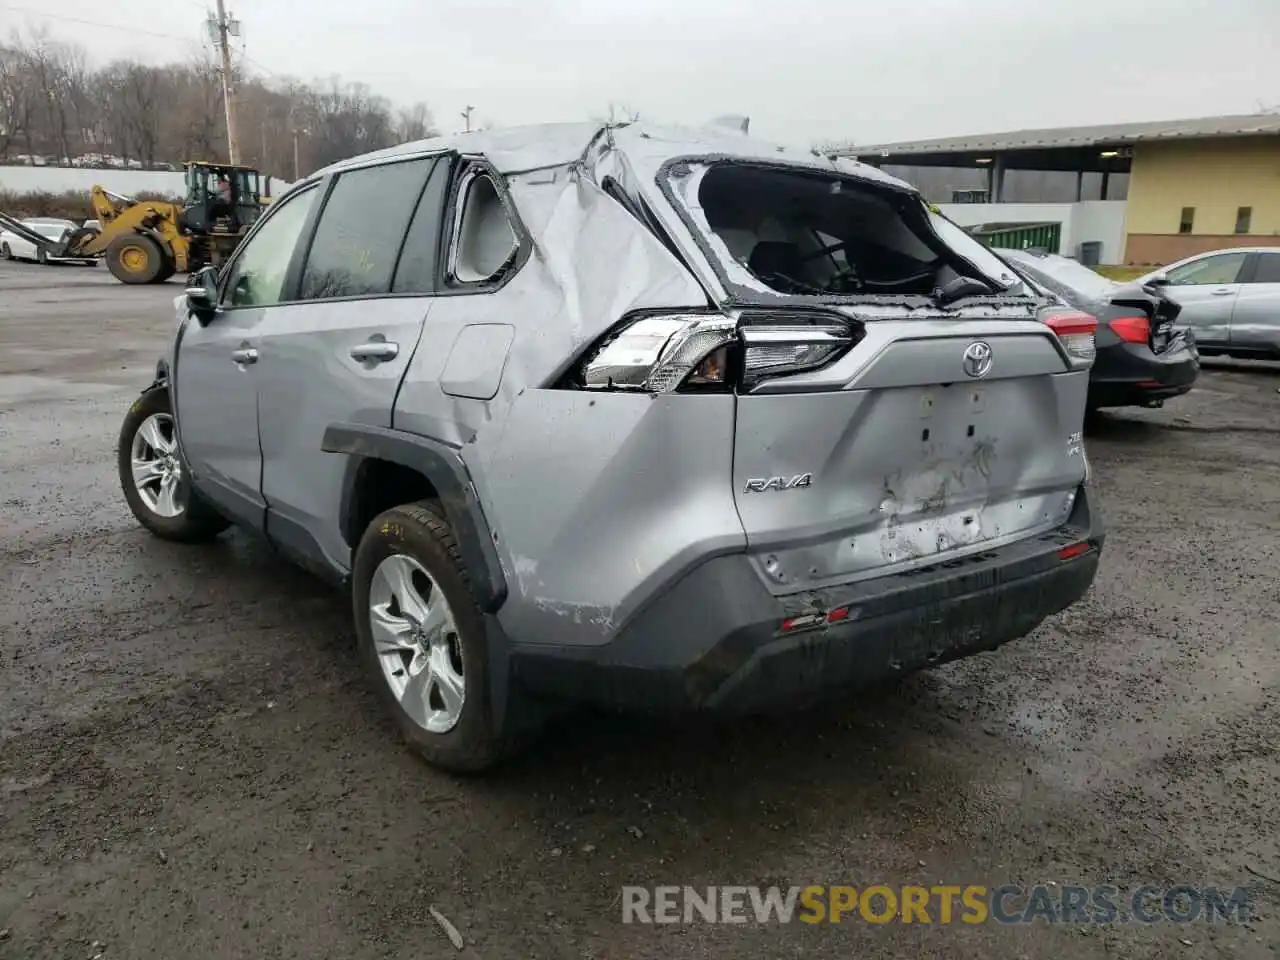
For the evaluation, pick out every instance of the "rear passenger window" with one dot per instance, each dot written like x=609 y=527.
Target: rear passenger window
x=362 y=229
x=1268 y=270
x=417 y=270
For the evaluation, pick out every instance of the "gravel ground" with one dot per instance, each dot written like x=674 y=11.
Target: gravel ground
x=192 y=765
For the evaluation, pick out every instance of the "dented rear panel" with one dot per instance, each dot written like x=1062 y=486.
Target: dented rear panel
x=904 y=452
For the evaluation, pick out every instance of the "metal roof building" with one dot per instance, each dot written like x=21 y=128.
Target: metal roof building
x=1057 y=148
x=1196 y=184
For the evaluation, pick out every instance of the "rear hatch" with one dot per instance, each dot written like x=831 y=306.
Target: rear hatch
x=902 y=399
x=897 y=455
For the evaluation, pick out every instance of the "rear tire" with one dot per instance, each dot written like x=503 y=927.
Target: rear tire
x=41 y=257
x=6 y=252
x=135 y=258
x=169 y=269
x=430 y=658
x=155 y=483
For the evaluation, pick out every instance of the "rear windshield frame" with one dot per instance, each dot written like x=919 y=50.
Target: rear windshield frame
x=738 y=293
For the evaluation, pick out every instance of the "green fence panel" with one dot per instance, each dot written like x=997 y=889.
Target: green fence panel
x=1021 y=236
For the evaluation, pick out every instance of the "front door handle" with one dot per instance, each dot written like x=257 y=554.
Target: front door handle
x=245 y=355
x=375 y=350
x=1223 y=292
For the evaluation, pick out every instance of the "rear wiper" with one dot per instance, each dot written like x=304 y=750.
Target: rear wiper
x=958 y=289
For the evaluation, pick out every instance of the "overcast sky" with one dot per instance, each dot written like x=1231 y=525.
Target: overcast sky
x=803 y=70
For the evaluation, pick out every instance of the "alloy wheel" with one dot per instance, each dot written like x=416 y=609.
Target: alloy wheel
x=157 y=472
x=415 y=638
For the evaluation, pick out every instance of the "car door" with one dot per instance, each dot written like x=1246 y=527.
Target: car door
x=24 y=249
x=214 y=380
x=1206 y=288
x=338 y=354
x=1255 y=323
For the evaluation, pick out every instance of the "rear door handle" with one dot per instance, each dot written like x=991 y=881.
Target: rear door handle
x=375 y=350
x=1223 y=292
x=245 y=355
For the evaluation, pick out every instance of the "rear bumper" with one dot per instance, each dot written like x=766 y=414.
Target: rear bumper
x=714 y=642
x=1128 y=374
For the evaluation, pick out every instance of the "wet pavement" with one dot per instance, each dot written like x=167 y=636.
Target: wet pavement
x=192 y=764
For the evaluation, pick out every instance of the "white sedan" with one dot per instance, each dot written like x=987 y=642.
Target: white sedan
x=14 y=247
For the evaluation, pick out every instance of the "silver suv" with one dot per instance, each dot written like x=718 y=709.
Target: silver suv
x=652 y=418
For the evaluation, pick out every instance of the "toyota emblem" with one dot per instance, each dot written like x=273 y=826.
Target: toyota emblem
x=977 y=359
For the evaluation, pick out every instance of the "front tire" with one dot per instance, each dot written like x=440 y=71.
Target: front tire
x=135 y=258
x=422 y=637
x=6 y=252
x=41 y=257
x=153 y=478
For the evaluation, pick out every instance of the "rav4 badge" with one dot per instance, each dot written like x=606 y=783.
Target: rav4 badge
x=762 y=484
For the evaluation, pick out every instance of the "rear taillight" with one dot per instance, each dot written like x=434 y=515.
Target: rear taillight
x=662 y=353
x=776 y=348
x=1075 y=332
x=657 y=354
x=1131 y=329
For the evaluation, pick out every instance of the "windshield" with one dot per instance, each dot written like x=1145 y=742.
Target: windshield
x=51 y=230
x=801 y=232
x=1071 y=280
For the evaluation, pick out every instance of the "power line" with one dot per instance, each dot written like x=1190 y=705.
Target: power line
x=91 y=23
x=248 y=59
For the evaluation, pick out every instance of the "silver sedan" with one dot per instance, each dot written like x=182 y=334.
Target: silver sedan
x=1230 y=299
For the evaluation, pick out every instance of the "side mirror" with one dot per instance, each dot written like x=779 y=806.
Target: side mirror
x=202 y=294
x=1159 y=280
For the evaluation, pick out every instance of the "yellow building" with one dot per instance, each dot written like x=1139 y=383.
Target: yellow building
x=1190 y=196
x=1157 y=191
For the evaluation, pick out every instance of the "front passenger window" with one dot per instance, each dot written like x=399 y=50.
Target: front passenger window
x=1221 y=268
x=257 y=275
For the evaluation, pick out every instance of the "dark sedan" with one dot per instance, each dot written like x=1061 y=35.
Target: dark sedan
x=1142 y=359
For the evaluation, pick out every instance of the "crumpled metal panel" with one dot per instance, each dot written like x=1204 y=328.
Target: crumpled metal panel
x=627 y=489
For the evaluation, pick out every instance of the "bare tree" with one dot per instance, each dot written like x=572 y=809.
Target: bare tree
x=53 y=69
x=17 y=104
x=617 y=113
x=142 y=94
x=113 y=111
x=346 y=120
x=415 y=122
x=196 y=126
x=54 y=102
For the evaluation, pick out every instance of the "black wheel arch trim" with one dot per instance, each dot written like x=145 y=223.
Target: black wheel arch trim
x=444 y=468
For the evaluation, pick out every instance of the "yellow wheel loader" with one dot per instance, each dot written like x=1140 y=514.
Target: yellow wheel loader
x=148 y=241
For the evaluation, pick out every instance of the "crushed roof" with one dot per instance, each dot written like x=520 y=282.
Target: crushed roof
x=517 y=149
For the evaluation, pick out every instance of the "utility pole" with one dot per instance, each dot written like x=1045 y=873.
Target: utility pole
x=466 y=116
x=222 y=29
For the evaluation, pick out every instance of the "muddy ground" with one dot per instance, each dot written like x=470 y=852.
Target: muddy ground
x=192 y=765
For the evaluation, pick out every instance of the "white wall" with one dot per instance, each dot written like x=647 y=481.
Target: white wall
x=75 y=179
x=1101 y=220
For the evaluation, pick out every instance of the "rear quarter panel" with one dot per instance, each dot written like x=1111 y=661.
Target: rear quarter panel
x=591 y=497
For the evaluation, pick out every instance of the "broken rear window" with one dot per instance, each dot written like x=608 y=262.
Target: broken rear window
x=807 y=233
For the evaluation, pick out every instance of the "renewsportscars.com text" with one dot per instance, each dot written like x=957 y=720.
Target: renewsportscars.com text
x=940 y=904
